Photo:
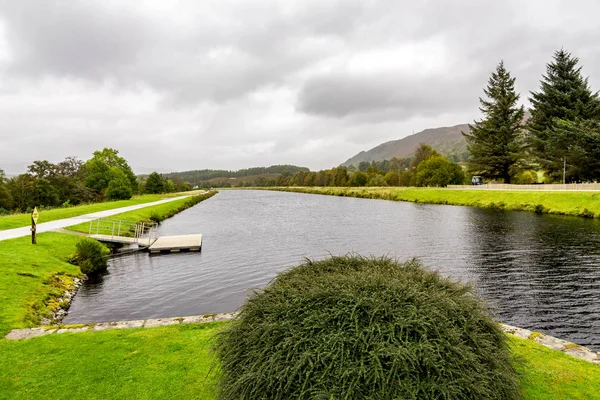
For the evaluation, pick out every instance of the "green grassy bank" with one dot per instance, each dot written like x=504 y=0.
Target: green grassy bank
x=154 y=213
x=583 y=204
x=33 y=277
x=176 y=362
x=19 y=220
x=157 y=363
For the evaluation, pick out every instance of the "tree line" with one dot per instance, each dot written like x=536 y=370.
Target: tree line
x=427 y=167
x=197 y=177
x=561 y=138
x=105 y=176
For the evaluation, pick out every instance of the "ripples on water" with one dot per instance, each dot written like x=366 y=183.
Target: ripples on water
x=538 y=272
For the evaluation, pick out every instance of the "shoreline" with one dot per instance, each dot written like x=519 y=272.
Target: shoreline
x=551 y=342
x=567 y=203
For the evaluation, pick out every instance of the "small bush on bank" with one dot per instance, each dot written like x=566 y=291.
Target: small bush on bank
x=364 y=328
x=525 y=178
x=155 y=216
x=90 y=256
x=586 y=213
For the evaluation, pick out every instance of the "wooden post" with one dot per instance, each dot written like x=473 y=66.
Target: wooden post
x=33 y=232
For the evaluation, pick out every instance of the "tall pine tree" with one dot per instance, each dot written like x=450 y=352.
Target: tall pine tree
x=494 y=143
x=564 y=95
x=579 y=142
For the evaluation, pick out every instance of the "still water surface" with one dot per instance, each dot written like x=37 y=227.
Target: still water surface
x=538 y=272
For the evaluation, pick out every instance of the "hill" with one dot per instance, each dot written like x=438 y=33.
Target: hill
x=197 y=177
x=447 y=140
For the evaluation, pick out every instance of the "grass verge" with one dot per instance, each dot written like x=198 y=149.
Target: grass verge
x=158 y=363
x=33 y=278
x=176 y=362
x=582 y=204
x=154 y=213
x=550 y=374
x=19 y=220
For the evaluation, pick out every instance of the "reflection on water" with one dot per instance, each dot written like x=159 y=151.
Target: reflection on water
x=537 y=272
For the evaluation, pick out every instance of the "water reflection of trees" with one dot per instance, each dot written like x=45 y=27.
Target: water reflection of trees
x=543 y=272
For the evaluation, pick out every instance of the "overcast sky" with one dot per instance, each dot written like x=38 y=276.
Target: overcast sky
x=179 y=85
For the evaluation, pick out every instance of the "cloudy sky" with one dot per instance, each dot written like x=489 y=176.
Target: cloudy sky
x=179 y=85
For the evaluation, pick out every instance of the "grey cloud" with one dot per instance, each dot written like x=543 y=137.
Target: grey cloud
x=97 y=41
x=73 y=38
x=199 y=84
x=381 y=97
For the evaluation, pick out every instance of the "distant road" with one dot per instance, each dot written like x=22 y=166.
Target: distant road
x=63 y=223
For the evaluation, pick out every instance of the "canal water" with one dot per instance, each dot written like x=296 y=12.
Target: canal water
x=536 y=272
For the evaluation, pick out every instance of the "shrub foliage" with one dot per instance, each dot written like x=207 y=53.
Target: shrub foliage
x=90 y=255
x=364 y=328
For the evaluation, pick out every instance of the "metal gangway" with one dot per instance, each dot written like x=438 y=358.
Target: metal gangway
x=143 y=234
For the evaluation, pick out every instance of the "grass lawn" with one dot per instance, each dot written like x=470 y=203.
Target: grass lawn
x=158 y=363
x=585 y=204
x=176 y=361
x=19 y=220
x=550 y=374
x=31 y=276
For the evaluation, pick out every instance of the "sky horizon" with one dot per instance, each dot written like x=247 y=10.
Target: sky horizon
x=235 y=84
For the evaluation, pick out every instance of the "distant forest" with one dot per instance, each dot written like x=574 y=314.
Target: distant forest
x=200 y=177
x=105 y=176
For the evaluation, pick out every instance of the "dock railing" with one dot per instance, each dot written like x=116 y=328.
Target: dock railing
x=142 y=233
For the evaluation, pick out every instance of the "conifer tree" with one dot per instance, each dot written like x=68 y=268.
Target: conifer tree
x=579 y=142
x=494 y=143
x=564 y=95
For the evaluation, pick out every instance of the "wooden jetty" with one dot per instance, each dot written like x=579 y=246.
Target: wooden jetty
x=175 y=244
x=114 y=239
x=144 y=235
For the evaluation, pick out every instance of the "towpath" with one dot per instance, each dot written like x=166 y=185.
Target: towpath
x=63 y=223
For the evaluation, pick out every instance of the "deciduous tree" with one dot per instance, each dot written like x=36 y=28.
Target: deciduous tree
x=155 y=183
x=440 y=172
x=392 y=178
x=22 y=189
x=119 y=187
x=358 y=179
x=6 y=200
x=422 y=153
x=100 y=170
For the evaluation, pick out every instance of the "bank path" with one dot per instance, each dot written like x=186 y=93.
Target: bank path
x=63 y=223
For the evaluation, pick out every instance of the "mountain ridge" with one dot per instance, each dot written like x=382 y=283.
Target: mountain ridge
x=447 y=140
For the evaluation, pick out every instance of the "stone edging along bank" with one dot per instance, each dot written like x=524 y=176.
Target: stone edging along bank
x=572 y=349
x=28 y=333
x=575 y=350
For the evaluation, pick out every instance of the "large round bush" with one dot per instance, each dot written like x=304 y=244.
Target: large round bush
x=364 y=328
